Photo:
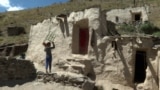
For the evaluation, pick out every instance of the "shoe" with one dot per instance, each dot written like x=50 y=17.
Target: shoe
x=46 y=72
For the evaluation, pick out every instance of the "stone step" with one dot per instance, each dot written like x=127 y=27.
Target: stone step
x=79 y=66
x=77 y=60
x=76 y=68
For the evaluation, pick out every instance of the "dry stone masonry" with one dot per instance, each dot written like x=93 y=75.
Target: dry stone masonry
x=13 y=49
x=13 y=69
x=15 y=30
x=82 y=82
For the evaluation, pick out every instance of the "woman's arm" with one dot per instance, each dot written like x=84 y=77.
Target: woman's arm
x=53 y=45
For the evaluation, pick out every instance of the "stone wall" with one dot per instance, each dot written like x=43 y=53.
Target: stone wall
x=12 y=69
x=84 y=83
x=13 y=49
x=15 y=30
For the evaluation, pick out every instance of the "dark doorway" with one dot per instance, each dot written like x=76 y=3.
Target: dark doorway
x=8 y=51
x=140 y=67
x=114 y=45
x=83 y=40
x=137 y=17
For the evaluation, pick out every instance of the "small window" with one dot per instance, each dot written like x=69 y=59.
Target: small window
x=137 y=17
x=117 y=19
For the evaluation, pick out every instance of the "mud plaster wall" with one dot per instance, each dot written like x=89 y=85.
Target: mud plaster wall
x=115 y=68
x=62 y=41
x=124 y=15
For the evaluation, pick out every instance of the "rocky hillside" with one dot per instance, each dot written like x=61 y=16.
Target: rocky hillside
x=26 y=18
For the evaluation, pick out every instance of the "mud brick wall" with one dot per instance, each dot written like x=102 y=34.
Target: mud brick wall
x=12 y=69
x=19 y=49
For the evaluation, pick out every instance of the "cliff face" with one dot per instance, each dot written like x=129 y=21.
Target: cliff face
x=83 y=48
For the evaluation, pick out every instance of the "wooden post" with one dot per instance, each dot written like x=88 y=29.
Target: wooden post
x=158 y=73
x=134 y=2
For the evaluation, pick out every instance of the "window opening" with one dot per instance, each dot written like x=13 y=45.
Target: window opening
x=137 y=17
x=117 y=19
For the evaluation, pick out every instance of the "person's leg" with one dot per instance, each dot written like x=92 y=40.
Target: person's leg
x=47 y=63
x=50 y=67
x=50 y=64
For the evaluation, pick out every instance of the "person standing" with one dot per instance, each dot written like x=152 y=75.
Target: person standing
x=48 y=60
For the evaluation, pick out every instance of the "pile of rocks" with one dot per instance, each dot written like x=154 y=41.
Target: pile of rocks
x=82 y=82
x=13 y=69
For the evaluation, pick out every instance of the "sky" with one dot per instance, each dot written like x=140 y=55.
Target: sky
x=15 y=5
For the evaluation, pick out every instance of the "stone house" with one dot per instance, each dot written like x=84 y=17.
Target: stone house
x=84 y=46
x=128 y=15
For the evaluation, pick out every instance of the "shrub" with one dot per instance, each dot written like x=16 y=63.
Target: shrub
x=156 y=34
x=145 y=28
x=148 y=28
x=127 y=28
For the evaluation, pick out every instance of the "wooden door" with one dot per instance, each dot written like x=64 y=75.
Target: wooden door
x=83 y=40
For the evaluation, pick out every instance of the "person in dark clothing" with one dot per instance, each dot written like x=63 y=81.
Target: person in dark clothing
x=48 y=50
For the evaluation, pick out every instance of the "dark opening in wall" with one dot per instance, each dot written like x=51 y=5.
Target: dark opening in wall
x=117 y=19
x=83 y=40
x=137 y=17
x=140 y=67
x=114 y=45
x=8 y=50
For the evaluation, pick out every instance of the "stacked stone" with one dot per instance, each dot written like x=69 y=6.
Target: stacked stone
x=82 y=82
x=13 y=69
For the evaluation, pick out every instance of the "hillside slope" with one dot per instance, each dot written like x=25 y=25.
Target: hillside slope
x=25 y=18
